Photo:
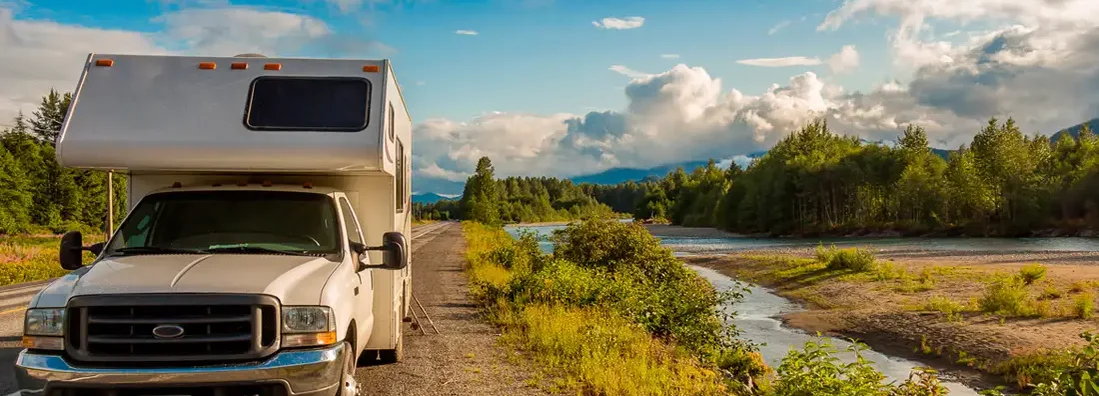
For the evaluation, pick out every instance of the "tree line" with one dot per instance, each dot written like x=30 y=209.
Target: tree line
x=37 y=195
x=816 y=181
x=514 y=200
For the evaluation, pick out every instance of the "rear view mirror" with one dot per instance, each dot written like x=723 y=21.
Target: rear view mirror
x=72 y=250
x=394 y=252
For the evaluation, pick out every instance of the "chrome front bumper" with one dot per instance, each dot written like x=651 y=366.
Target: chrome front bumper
x=307 y=372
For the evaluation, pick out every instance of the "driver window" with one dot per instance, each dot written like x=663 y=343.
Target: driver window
x=351 y=224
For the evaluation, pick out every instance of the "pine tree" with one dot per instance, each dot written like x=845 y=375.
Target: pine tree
x=50 y=115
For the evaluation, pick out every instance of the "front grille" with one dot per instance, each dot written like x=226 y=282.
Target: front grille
x=215 y=328
x=231 y=390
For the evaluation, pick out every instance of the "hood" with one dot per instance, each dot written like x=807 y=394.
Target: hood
x=294 y=280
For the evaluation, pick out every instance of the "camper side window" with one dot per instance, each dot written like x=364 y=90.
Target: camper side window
x=401 y=179
x=350 y=223
x=392 y=123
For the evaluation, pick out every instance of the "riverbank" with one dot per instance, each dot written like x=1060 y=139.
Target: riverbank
x=935 y=312
x=710 y=232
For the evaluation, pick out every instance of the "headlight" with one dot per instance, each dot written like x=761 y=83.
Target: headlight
x=307 y=326
x=44 y=329
x=45 y=322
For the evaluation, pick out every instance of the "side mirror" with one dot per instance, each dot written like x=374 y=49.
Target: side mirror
x=394 y=252
x=72 y=250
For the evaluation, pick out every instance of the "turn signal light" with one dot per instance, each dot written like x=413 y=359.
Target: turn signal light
x=104 y=62
x=272 y=66
x=372 y=68
x=239 y=66
x=207 y=65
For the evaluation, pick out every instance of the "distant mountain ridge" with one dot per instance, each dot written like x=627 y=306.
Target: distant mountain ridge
x=430 y=197
x=1074 y=130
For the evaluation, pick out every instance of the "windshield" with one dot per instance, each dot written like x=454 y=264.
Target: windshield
x=230 y=221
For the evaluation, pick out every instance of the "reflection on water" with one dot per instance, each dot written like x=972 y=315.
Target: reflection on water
x=756 y=317
x=1003 y=245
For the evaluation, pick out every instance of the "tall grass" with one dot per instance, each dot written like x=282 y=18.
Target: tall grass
x=605 y=332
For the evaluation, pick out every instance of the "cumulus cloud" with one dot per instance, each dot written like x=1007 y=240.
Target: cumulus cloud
x=466 y=32
x=845 y=61
x=633 y=22
x=781 y=62
x=1038 y=63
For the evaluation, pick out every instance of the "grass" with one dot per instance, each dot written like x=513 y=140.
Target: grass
x=586 y=348
x=28 y=258
x=1084 y=305
x=854 y=259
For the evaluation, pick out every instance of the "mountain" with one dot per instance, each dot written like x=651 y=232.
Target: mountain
x=622 y=175
x=429 y=197
x=1074 y=130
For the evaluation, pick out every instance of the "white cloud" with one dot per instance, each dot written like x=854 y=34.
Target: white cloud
x=669 y=56
x=420 y=83
x=778 y=26
x=619 y=23
x=845 y=61
x=781 y=62
x=433 y=170
x=1038 y=63
x=625 y=71
x=466 y=32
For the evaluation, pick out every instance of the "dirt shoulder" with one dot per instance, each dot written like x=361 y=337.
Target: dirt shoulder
x=465 y=358
x=925 y=309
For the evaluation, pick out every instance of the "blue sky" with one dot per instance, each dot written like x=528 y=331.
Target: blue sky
x=542 y=90
x=539 y=56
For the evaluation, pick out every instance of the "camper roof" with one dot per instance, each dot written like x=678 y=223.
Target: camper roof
x=174 y=113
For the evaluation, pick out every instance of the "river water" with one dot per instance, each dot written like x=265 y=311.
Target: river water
x=758 y=313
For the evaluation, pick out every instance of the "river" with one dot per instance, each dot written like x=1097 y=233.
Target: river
x=758 y=313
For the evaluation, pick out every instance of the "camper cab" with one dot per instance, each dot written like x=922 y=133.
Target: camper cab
x=265 y=249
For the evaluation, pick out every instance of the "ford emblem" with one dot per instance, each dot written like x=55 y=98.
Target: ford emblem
x=168 y=331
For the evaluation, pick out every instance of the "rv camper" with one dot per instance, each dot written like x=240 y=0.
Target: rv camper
x=264 y=251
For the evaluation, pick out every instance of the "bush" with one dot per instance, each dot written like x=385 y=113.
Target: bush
x=815 y=370
x=853 y=259
x=1084 y=306
x=635 y=311
x=1032 y=273
x=1005 y=296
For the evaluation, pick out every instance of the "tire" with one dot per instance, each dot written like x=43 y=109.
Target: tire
x=348 y=385
x=390 y=356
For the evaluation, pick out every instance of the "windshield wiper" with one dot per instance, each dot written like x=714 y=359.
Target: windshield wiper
x=251 y=249
x=154 y=250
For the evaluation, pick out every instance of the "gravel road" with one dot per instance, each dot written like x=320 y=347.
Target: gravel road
x=464 y=358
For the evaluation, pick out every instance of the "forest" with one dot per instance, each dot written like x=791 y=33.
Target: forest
x=37 y=195
x=514 y=200
x=817 y=182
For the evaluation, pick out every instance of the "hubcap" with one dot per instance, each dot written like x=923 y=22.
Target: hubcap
x=350 y=386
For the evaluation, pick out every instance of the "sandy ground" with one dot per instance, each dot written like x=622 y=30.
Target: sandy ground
x=465 y=358
x=893 y=318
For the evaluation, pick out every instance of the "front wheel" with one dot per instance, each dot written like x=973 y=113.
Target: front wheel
x=348 y=385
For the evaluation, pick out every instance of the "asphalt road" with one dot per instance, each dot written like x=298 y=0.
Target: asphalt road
x=14 y=299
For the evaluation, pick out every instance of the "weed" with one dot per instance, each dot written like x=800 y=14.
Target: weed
x=951 y=308
x=854 y=259
x=1084 y=305
x=1032 y=273
x=1005 y=296
x=1078 y=286
x=1050 y=293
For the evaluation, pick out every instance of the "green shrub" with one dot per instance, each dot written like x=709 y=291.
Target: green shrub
x=1084 y=305
x=815 y=370
x=1032 y=273
x=854 y=259
x=1005 y=295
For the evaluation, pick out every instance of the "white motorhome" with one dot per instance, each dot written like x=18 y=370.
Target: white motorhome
x=264 y=251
